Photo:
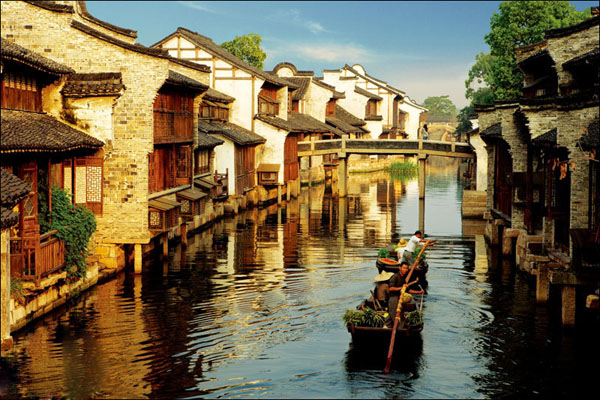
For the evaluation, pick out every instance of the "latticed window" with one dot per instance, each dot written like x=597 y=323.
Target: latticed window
x=20 y=91
x=155 y=219
x=85 y=182
x=185 y=206
x=183 y=162
x=202 y=164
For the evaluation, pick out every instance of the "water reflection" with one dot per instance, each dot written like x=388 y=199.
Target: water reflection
x=253 y=306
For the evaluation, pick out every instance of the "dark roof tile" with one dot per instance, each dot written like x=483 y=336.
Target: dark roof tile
x=559 y=32
x=347 y=117
x=214 y=95
x=17 y=53
x=86 y=15
x=306 y=123
x=546 y=140
x=236 y=133
x=591 y=139
x=96 y=84
x=366 y=93
x=177 y=79
x=206 y=141
x=589 y=57
x=277 y=122
x=24 y=131
x=13 y=189
x=303 y=84
x=494 y=131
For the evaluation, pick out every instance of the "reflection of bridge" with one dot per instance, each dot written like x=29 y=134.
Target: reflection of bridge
x=420 y=148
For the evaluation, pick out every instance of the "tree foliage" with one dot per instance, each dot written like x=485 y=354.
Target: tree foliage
x=247 y=48
x=518 y=23
x=440 y=106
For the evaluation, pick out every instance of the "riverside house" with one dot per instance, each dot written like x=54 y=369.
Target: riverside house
x=260 y=110
x=401 y=116
x=543 y=169
x=308 y=116
x=141 y=102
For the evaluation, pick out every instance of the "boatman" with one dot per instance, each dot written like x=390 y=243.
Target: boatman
x=415 y=240
x=397 y=281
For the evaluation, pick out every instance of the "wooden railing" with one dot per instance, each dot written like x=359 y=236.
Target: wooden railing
x=36 y=257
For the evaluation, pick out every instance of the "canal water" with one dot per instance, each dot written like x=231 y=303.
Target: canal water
x=253 y=308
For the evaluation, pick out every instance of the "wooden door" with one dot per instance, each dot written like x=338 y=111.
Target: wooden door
x=290 y=158
x=502 y=186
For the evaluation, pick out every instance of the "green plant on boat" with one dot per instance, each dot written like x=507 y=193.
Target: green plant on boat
x=383 y=253
x=366 y=317
x=414 y=318
x=416 y=254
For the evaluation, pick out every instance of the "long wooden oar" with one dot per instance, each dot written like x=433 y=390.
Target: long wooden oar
x=388 y=363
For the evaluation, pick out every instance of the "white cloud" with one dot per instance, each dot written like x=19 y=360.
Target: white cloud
x=296 y=18
x=198 y=5
x=277 y=48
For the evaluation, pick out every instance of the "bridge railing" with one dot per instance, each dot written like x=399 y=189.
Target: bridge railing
x=385 y=146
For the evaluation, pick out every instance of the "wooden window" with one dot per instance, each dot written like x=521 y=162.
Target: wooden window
x=371 y=107
x=20 y=91
x=295 y=106
x=330 y=110
x=173 y=116
x=267 y=106
x=244 y=168
x=183 y=162
x=290 y=155
x=202 y=162
x=84 y=181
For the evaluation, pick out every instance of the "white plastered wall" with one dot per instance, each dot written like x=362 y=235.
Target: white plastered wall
x=272 y=151
x=225 y=160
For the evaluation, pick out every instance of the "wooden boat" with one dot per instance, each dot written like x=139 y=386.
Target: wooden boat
x=381 y=336
x=389 y=265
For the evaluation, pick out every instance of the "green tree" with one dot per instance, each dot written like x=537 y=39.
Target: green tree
x=439 y=106
x=464 y=125
x=518 y=23
x=247 y=48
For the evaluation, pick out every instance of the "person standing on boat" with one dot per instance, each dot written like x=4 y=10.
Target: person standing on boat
x=397 y=282
x=391 y=248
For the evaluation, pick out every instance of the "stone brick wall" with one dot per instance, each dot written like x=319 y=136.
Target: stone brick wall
x=565 y=48
x=125 y=201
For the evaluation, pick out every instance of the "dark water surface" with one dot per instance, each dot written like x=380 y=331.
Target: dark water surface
x=253 y=308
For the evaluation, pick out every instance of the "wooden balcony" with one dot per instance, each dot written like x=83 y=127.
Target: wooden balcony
x=37 y=256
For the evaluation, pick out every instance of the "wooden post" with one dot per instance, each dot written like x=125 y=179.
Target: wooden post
x=279 y=194
x=184 y=230
x=568 y=305
x=287 y=191
x=165 y=244
x=541 y=283
x=453 y=144
x=342 y=171
x=137 y=258
x=422 y=215
x=422 y=158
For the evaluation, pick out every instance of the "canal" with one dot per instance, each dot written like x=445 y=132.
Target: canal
x=253 y=308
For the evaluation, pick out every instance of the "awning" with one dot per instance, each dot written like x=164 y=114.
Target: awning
x=191 y=194
x=204 y=183
x=163 y=204
x=268 y=168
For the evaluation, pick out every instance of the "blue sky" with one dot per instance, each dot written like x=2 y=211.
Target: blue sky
x=424 y=48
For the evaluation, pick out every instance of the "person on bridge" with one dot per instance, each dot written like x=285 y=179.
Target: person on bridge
x=425 y=132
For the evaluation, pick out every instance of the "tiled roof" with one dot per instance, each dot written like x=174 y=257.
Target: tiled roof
x=98 y=84
x=277 y=122
x=342 y=125
x=588 y=23
x=86 y=15
x=293 y=68
x=547 y=139
x=236 y=133
x=588 y=57
x=366 y=93
x=24 y=131
x=494 y=131
x=215 y=95
x=212 y=47
x=591 y=139
x=15 y=52
x=206 y=141
x=13 y=191
x=52 y=6
x=137 y=47
x=538 y=55
x=345 y=116
x=303 y=84
x=177 y=79
x=306 y=123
